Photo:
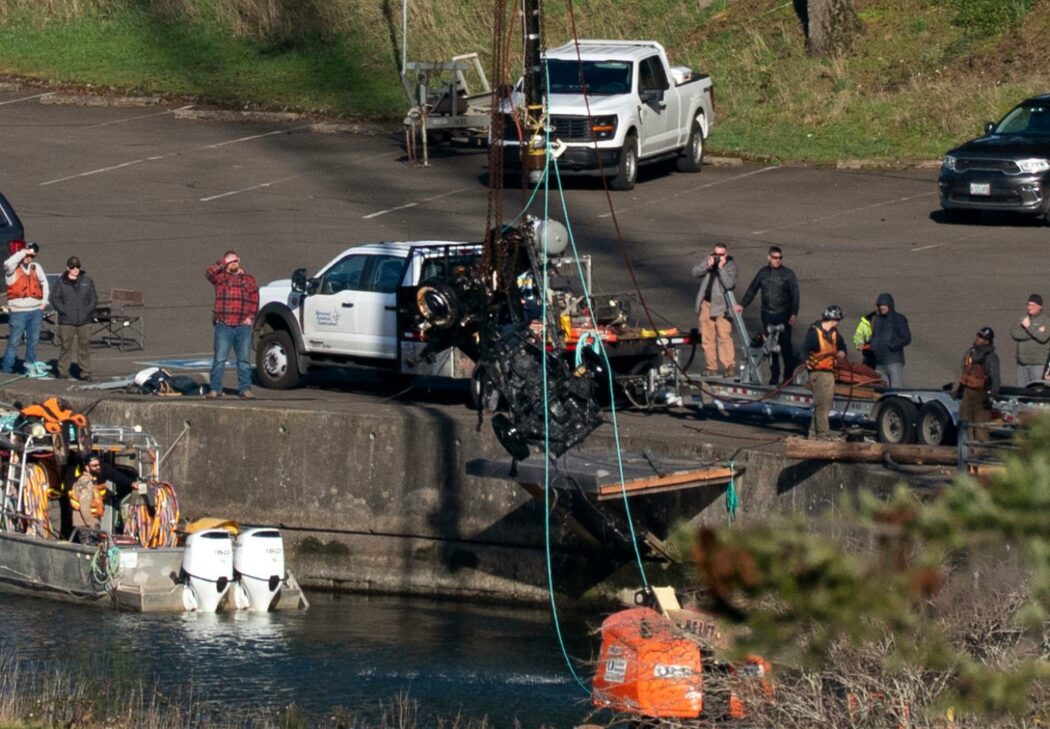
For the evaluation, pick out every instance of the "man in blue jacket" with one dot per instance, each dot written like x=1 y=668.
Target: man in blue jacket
x=889 y=336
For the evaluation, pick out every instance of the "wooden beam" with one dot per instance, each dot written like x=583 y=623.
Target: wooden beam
x=830 y=450
x=684 y=479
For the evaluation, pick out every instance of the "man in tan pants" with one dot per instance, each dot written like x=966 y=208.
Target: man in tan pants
x=717 y=274
x=824 y=347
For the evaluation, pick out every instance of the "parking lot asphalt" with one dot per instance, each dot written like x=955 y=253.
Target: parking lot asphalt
x=148 y=201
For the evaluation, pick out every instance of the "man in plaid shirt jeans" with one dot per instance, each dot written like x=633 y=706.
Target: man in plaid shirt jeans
x=236 y=303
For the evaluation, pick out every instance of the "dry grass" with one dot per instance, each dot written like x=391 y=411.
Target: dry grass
x=58 y=700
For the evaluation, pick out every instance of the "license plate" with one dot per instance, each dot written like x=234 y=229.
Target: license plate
x=980 y=188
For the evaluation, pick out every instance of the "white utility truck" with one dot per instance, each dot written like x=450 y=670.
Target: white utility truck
x=390 y=306
x=632 y=108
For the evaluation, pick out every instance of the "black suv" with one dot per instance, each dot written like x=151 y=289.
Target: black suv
x=10 y=226
x=1006 y=169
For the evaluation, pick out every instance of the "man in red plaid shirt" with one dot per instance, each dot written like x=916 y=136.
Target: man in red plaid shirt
x=236 y=304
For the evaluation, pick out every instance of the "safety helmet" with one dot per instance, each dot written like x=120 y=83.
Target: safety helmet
x=832 y=313
x=986 y=333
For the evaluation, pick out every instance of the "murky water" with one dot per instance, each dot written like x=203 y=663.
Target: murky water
x=345 y=653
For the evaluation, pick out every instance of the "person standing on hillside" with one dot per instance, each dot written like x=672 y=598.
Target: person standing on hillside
x=780 y=299
x=236 y=304
x=75 y=300
x=717 y=274
x=27 y=294
x=1032 y=334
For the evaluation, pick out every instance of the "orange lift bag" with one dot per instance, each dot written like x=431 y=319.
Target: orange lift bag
x=645 y=668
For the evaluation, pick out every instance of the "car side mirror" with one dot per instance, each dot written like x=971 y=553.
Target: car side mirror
x=299 y=280
x=989 y=127
x=312 y=285
x=652 y=96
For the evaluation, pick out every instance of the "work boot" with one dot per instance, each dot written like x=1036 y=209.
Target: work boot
x=247 y=395
x=213 y=395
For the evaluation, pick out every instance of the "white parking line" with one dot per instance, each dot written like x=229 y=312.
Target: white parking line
x=155 y=158
x=141 y=116
x=839 y=214
x=700 y=187
x=27 y=98
x=263 y=185
x=417 y=203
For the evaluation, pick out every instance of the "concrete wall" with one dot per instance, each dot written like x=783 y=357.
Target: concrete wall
x=378 y=499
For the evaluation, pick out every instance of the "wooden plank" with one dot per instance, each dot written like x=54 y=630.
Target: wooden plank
x=829 y=450
x=684 y=479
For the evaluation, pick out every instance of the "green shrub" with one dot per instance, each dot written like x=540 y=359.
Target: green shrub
x=989 y=16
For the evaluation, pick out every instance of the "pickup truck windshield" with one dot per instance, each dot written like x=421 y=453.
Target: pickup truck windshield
x=1031 y=121
x=603 y=78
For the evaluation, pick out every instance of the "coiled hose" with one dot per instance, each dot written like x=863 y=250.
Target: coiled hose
x=35 y=505
x=158 y=529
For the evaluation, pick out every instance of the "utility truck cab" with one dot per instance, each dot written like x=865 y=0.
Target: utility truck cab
x=633 y=107
x=380 y=305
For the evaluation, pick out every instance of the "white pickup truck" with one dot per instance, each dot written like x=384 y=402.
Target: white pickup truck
x=638 y=109
x=380 y=305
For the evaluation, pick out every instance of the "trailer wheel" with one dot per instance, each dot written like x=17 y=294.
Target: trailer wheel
x=935 y=426
x=895 y=422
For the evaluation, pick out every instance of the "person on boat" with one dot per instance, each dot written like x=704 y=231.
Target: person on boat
x=823 y=346
x=89 y=494
x=99 y=484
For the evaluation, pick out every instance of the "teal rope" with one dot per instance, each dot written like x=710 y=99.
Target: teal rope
x=546 y=439
x=732 y=499
x=609 y=375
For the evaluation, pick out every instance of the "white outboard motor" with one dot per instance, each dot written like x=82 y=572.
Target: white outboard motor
x=258 y=558
x=208 y=564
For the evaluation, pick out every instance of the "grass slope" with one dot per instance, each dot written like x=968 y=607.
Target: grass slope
x=918 y=81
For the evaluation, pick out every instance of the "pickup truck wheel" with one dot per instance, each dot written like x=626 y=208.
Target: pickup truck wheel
x=275 y=362
x=895 y=423
x=692 y=159
x=627 y=173
x=935 y=426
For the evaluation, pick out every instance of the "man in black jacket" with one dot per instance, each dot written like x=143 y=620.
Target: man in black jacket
x=889 y=336
x=74 y=299
x=779 y=289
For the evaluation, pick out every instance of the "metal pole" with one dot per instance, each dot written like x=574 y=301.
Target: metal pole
x=404 y=38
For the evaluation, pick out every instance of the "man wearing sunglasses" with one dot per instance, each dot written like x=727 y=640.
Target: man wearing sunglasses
x=75 y=299
x=779 y=288
x=236 y=304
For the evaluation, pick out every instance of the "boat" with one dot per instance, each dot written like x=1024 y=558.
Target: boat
x=142 y=557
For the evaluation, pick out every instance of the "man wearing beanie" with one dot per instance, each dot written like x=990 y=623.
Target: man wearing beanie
x=1032 y=334
x=74 y=299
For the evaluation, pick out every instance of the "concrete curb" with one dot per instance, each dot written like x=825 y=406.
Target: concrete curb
x=231 y=115
x=58 y=99
x=723 y=161
x=882 y=164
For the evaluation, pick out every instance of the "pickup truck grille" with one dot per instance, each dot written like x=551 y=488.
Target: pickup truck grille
x=1006 y=166
x=570 y=128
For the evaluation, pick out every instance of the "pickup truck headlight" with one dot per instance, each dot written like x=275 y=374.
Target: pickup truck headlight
x=949 y=162
x=604 y=127
x=1033 y=166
